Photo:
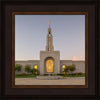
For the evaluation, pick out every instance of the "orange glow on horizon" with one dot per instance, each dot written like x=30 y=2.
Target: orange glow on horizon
x=75 y=58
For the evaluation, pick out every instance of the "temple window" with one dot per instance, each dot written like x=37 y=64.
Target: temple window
x=35 y=66
x=63 y=67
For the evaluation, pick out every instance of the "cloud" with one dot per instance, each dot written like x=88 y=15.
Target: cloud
x=78 y=58
x=75 y=58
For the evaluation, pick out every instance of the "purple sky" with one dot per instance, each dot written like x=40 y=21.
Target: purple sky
x=68 y=36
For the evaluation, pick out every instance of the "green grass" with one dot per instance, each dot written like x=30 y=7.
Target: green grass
x=66 y=75
x=24 y=76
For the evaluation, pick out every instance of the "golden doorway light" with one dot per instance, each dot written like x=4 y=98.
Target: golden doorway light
x=49 y=66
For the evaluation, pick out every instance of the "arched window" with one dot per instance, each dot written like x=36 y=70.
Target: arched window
x=63 y=67
x=35 y=67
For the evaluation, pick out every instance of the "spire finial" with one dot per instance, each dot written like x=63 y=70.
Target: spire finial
x=49 y=24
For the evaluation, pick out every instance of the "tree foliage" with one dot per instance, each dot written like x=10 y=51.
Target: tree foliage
x=66 y=70
x=35 y=71
x=18 y=67
x=72 y=68
x=31 y=70
x=28 y=68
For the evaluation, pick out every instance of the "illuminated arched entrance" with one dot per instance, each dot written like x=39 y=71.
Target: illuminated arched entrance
x=49 y=65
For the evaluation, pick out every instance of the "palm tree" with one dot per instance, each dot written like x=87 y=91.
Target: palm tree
x=18 y=67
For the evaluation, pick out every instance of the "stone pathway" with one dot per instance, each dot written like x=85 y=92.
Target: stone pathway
x=61 y=81
x=49 y=77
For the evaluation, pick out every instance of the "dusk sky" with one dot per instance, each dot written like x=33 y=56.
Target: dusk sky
x=68 y=36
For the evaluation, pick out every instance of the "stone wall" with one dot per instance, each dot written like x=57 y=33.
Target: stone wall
x=80 y=65
x=53 y=54
x=28 y=62
x=64 y=62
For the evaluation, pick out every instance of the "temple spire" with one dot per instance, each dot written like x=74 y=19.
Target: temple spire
x=49 y=24
x=49 y=45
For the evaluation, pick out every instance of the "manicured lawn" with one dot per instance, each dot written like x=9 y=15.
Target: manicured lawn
x=24 y=76
x=82 y=75
x=64 y=75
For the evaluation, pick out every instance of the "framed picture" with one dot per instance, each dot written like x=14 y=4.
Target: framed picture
x=49 y=49
x=50 y=70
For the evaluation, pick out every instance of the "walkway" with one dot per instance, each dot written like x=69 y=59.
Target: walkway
x=64 y=81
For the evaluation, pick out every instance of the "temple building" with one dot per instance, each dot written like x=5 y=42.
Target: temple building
x=50 y=62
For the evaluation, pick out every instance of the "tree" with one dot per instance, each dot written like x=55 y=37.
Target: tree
x=31 y=70
x=28 y=68
x=66 y=70
x=18 y=67
x=35 y=71
x=72 y=68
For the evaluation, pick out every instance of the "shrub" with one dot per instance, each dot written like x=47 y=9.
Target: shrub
x=45 y=74
x=66 y=70
x=22 y=74
x=53 y=74
x=34 y=71
x=71 y=68
x=60 y=74
x=28 y=68
x=79 y=73
x=18 y=67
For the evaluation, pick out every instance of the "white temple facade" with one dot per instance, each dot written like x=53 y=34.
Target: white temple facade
x=50 y=62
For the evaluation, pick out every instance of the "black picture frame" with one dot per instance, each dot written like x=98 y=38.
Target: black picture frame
x=93 y=9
